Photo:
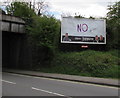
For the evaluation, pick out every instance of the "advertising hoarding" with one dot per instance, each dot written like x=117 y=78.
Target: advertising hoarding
x=81 y=30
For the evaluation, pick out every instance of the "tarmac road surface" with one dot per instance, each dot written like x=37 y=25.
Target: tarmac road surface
x=23 y=85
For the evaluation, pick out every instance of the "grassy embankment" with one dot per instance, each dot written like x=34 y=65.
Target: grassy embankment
x=86 y=63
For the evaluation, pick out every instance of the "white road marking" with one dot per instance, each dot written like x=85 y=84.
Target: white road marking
x=47 y=91
x=8 y=82
x=67 y=81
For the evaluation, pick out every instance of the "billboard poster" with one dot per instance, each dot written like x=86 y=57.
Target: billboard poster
x=80 y=30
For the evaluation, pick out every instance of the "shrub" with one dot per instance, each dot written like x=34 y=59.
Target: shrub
x=42 y=32
x=90 y=63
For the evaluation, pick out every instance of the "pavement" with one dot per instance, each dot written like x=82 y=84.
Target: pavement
x=92 y=80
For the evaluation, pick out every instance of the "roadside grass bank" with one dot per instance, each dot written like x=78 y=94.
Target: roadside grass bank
x=105 y=64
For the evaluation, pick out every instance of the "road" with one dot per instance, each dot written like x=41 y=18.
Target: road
x=23 y=85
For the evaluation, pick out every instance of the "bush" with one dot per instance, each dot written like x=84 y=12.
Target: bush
x=42 y=33
x=86 y=63
x=113 y=30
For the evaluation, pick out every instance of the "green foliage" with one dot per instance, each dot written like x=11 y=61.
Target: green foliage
x=114 y=11
x=1 y=11
x=86 y=63
x=113 y=24
x=20 y=9
x=42 y=33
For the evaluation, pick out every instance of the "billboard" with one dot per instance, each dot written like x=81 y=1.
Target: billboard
x=80 y=30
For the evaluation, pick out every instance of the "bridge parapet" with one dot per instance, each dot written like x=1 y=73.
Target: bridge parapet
x=13 y=24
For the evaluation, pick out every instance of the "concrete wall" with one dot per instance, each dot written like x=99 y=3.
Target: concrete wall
x=15 y=47
x=16 y=50
x=13 y=24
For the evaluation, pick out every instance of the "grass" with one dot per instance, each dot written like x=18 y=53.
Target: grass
x=86 y=63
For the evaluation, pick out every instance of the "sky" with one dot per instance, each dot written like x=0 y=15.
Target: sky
x=86 y=8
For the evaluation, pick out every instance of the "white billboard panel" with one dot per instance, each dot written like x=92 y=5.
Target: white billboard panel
x=80 y=30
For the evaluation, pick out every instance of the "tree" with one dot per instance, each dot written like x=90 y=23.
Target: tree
x=1 y=11
x=43 y=30
x=42 y=36
x=91 y=17
x=114 y=11
x=41 y=7
x=20 y=9
x=113 y=25
x=79 y=16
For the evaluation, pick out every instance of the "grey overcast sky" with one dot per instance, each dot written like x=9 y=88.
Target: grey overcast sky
x=95 y=8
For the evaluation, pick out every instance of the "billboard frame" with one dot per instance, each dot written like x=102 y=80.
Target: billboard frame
x=70 y=42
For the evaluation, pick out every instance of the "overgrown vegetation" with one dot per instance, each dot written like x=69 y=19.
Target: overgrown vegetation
x=113 y=26
x=42 y=32
x=20 y=9
x=86 y=63
x=44 y=35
